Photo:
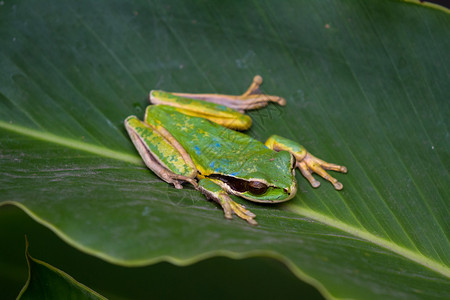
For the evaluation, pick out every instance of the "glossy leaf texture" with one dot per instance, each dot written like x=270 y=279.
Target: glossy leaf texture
x=47 y=282
x=366 y=85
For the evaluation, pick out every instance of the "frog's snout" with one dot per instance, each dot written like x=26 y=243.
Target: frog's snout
x=292 y=191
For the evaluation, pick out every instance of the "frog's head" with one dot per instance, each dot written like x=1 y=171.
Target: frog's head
x=268 y=178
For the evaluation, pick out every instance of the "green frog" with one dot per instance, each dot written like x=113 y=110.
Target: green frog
x=197 y=139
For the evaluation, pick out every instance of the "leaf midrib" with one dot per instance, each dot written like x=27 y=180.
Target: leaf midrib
x=71 y=143
x=365 y=235
x=134 y=159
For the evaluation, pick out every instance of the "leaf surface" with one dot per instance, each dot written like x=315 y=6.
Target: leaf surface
x=366 y=85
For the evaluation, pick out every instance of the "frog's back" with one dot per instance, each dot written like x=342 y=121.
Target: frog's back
x=211 y=146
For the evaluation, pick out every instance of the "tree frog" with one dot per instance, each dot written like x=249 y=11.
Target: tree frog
x=197 y=139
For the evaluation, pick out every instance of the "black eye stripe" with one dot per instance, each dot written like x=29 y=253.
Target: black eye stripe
x=240 y=185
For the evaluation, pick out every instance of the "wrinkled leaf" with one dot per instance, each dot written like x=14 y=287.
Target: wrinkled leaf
x=367 y=87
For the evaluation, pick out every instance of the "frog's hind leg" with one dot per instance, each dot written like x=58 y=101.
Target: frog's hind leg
x=306 y=162
x=214 y=192
x=161 y=152
x=253 y=98
x=214 y=112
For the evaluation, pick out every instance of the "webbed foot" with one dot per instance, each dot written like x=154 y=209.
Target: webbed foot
x=306 y=162
x=311 y=164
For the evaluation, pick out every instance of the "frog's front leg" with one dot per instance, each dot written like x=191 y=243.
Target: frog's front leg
x=213 y=191
x=161 y=152
x=253 y=98
x=306 y=162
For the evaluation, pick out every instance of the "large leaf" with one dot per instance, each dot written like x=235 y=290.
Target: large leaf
x=206 y=279
x=47 y=282
x=366 y=84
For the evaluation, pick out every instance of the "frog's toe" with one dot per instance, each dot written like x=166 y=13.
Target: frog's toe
x=243 y=213
x=226 y=206
x=332 y=167
x=252 y=222
x=228 y=215
x=338 y=186
x=240 y=210
x=307 y=174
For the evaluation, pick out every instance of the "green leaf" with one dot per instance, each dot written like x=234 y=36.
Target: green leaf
x=47 y=282
x=210 y=277
x=366 y=85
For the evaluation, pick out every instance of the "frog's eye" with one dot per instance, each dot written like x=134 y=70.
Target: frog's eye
x=257 y=187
